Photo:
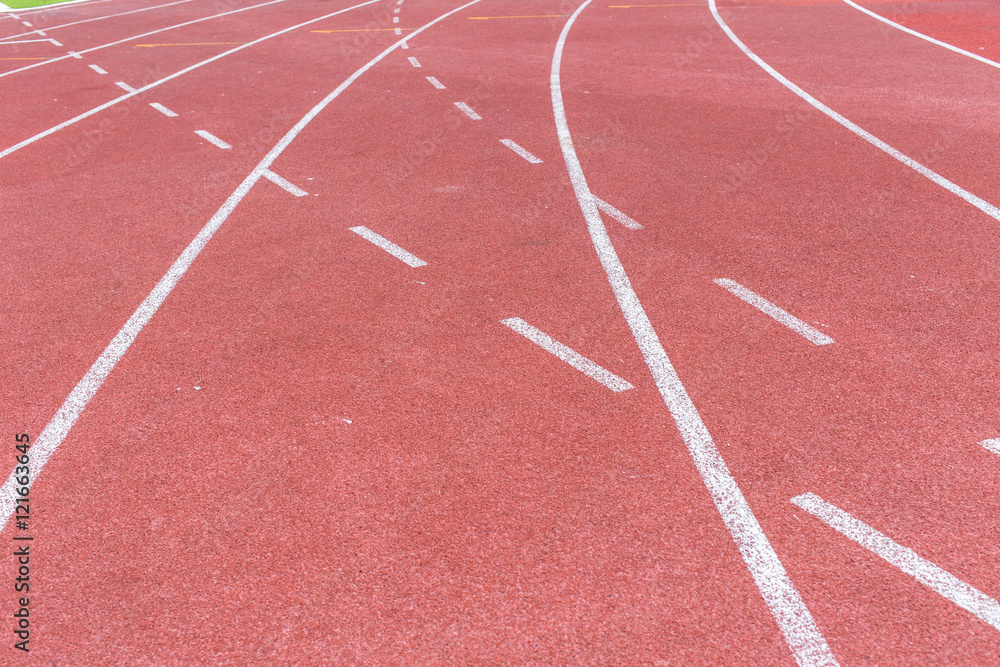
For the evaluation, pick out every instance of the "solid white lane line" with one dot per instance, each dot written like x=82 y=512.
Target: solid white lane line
x=414 y=61
x=434 y=82
x=212 y=139
x=950 y=47
x=58 y=428
x=992 y=445
x=101 y=18
x=569 y=355
x=162 y=109
x=620 y=217
x=134 y=37
x=794 y=620
x=938 y=580
x=98 y=109
x=511 y=144
x=467 y=110
x=402 y=255
x=25 y=41
x=284 y=184
x=124 y=86
x=98 y=69
x=760 y=303
x=983 y=205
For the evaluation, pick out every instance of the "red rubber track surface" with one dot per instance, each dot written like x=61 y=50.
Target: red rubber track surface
x=315 y=454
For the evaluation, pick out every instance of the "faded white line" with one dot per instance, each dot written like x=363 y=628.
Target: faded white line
x=106 y=105
x=127 y=88
x=399 y=253
x=937 y=579
x=511 y=144
x=98 y=69
x=212 y=139
x=950 y=47
x=58 y=428
x=284 y=184
x=993 y=445
x=467 y=110
x=983 y=205
x=162 y=109
x=760 y=303
x=414 y=61
x=434 y=82
x=794 y=620
x=620 y=217
x=101 y=18
x=396 y=10
x=569 y=355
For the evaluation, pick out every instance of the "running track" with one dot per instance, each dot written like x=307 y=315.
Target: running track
x=687 y=353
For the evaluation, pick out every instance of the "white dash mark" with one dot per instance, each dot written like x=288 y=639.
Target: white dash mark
x=41 y=33
x=27 y=24
x=399 y=31
x=414 y=61
x=56 y=42
x=282 y=183
x=98 y=69
x=399 y=253
x=434 y=82
x=992 y=445
x=396 y=10
x=395 y=19
x=347 y=420
x=212 y=139
x=615 y=213
x=162 y=109
x=511 y=144
x=938 y=580
x=795 y=324
x=124 y=86
x=570 y=356
x=404 y=45
x=75 y=55
x=467 y=110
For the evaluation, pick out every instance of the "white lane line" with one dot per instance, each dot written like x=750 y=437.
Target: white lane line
x=569 y=355
x=58 y=428
x=402 y=255
x=284 y=184
x=127 y=88
x=106 y=105
x=467 y=110
x=414 y=61
x=212 y=139
x=162 y=109
x=950 y=47
x=25 y=41
x=511 y=144
x=134 y=37
x=57 y=43
x=992 y=445
x=620 y=217
x=434 y=82
x=983 y=205
x=72 y=54
x=760 y=303
x=793 y=618
x=101 y=18
x=98 y=69
x=938 y=580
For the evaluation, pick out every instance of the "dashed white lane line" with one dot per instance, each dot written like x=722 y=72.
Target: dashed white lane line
x=285 y=185
x=950 y=47
x=796 y=623
x=27 y=24
x=569 y=355
x=41 y=33
x=399 y=31
x=404 y=45
x=56 y=42
x=511 y=144
x=127 y=88
x=760 y=303
x=620 y=217
x=162 y=109
x=467 y=110
x=983 y=205
x=212 y=139
x=938 y=580
x=992 y=445
x=399 y=253
x=414 y=61
x=396 y=10
x=395 y=19
x=98 y=69
x=434 y=82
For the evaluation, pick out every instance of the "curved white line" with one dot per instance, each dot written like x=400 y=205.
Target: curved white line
x=58 y=428
x=98 y=18
x=983 y=205
x=921 y=35
x=796 y=623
